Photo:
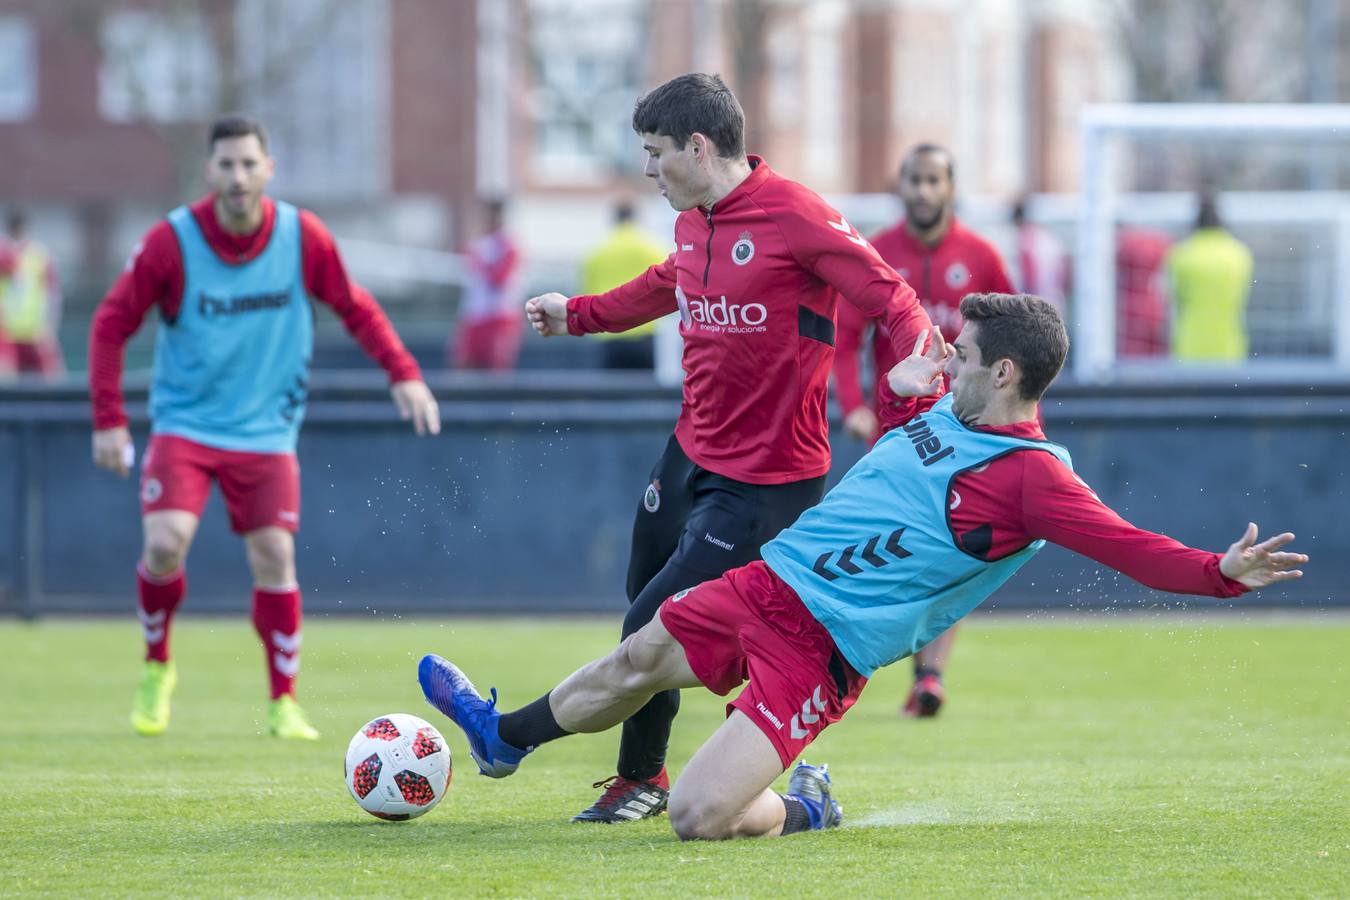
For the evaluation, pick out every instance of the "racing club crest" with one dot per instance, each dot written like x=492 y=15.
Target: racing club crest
x=743 y=250
x=957 y=275
x=651 y=498
x=151 y=490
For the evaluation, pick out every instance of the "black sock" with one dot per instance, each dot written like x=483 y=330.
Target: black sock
x=797 y=817
x=645 y=737
x=530 y=726
x=921 y=671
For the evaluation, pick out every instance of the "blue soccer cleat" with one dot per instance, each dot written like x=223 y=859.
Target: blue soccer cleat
x=811 y=785
x=450 y=691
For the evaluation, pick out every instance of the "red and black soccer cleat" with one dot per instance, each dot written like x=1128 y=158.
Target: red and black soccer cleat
x=625 y=800
x=925 y=698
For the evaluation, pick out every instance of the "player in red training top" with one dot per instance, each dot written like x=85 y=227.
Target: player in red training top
x=758 y=266
x=1143 y=311
x=938 y=255
x=488 y=327
x=944 y=261
x=30 y=303
x=233 y=276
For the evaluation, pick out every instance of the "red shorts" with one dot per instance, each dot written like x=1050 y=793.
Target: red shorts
x=491 y=343
x=748 y=624
x=42 y=357
x=260 y=489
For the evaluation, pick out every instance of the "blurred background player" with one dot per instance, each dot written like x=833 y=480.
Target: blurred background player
x=30 y=301
x=1042 y=260
x=488 y=330
x=938 y=255
x=944 y=261
x=232 y=276
x=625 y=253
x=1142 y=309
x=758 y=267
x=1210 y=273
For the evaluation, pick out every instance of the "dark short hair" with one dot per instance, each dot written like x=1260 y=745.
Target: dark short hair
x=921 y=149
x=1207 y=213
x=1023 y=328
x=693 y=103
x=235 y=126
x=624 y=211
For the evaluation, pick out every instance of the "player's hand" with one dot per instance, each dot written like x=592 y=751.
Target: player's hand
x=113 y=450
x=861 y=424
x=920 y=374
x=1257 y=565
x=414 y=401
x=547 y=314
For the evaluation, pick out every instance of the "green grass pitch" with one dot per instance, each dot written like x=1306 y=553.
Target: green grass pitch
x=1106 y=755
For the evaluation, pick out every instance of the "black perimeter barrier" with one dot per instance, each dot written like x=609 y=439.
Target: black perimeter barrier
x=525 y=501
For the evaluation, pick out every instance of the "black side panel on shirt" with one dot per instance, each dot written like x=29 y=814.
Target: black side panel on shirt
x=815 y=326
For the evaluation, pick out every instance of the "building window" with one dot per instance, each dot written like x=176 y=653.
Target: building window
x=585 y=74
x=155 y=66
x=320 y=82
x=823 y=94
x=920 y=98
x=18 y=69
x=783 y=48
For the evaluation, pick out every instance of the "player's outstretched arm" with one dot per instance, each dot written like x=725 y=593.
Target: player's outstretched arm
x=547 y=314
x=415 y=401
x=920 y=373
x=1258 y=565
x=113 y=449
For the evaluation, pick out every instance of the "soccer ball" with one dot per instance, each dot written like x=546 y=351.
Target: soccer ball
x=397 y=767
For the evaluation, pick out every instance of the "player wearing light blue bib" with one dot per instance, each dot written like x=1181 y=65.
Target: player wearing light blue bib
x=877 y=564
x=232 y=370
x=232 y=276
x=867 y=577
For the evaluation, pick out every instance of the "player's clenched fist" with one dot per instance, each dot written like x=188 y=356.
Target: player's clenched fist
x=547 y=314
x=112 y=449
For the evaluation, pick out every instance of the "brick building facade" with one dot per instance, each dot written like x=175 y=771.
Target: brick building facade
x=390 y=117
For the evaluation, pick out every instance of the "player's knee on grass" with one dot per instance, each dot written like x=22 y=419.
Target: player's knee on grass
x=700 y=815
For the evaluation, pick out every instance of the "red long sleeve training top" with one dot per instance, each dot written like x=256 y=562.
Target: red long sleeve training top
x=1029 y=495
x=756 y=280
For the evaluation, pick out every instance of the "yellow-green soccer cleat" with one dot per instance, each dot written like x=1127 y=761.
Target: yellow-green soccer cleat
x=285 y=719
x=150 y=712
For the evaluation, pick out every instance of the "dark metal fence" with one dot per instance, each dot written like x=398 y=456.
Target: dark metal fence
x=525 y=502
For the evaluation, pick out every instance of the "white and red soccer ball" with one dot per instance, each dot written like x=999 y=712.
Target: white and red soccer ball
x=398 y=767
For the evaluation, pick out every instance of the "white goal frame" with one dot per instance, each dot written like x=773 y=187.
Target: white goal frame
x=1094 y=357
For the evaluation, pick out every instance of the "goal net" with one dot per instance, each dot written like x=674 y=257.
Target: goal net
x=1278 y=175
